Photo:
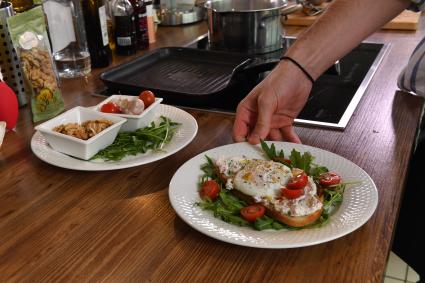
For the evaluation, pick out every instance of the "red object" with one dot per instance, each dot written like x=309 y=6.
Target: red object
x=292 y=194
x=147 y=97
x=297 y=182
x=329 y=179
x=8 y=106
x=210 y=189
x=110 y=107
x=252 y=212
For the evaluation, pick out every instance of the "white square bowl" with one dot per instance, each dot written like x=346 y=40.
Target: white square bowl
x=84 y=149
x=134 y=122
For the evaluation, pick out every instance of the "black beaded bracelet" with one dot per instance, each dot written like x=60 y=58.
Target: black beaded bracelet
x=299 y=66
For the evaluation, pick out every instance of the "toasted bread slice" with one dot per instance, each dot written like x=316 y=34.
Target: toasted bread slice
x=293 y=221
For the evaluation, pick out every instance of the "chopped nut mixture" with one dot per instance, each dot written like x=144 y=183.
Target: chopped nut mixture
x=84 y=131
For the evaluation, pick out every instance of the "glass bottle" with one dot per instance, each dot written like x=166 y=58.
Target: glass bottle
x=125 y=29
x=94 y=12
x=68 y=37
x=142 y=38
x=20 y=6
x=110 y=24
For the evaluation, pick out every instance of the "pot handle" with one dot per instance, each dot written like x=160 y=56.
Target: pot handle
x=291 y=9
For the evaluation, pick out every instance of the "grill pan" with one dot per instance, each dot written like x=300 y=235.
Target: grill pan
x=175 y=73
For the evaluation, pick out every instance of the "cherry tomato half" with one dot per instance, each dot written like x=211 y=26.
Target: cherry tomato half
x=297 y=181
x=252 y=212
x=147 y=97
x=210 y=189
x=110 y=107
x=292 y=194
x=329 y=178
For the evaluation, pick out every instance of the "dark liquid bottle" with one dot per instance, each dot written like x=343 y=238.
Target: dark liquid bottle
x=125 y=27
x=97 y=33
x=142 y=38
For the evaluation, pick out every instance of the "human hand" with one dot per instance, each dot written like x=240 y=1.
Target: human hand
x=269 y=110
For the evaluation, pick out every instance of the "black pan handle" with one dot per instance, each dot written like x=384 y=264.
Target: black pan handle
x=251 y=69
x=258 y=66
x=261 y=65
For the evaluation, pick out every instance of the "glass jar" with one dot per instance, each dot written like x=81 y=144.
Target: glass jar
x=68 y=37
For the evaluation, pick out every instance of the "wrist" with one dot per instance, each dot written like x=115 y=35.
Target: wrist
x=299 y=66
x=307 y=60
x=287 y=78
x=298 y=77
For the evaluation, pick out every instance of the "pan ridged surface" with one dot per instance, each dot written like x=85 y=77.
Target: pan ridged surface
x=186 y=71
x=186 y=76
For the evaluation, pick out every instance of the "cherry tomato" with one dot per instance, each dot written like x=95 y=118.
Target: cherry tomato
x=110 y=107
x=329 y=178
x=252 y=212
x=297 y=181
x=292 y=194
x=147 y=97
x=210 y=189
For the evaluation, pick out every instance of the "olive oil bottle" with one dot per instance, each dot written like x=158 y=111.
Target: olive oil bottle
x=94 y=12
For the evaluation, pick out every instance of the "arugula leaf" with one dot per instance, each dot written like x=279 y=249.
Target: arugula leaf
x=231 y=202
x=263 y=223
x=301 y=161
x=226 y=207
x=333 y=198
x=316 y=170
x=271 y=151
x=152 y=137
x=209 y=172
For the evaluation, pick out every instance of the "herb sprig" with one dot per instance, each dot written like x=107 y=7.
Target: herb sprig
x=152 y=137
x=297 y=160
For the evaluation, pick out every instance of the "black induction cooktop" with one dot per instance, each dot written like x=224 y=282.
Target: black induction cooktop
x=333 y=99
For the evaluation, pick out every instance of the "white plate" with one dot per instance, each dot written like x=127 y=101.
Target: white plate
x=183 y=136
x=359 y=202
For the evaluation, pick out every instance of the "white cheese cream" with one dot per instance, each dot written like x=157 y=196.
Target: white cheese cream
x=304 y=205
x=263 y=181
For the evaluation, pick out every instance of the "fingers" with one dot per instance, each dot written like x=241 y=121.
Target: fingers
x=240 y=129
x=275 y=135
x=245 y=119
x=266 y=107
x=288 y=134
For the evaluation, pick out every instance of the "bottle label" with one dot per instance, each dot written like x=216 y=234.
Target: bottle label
x=103 y=26
x=124 y=41
x=125 y=30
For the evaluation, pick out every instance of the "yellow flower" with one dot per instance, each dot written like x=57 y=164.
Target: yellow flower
x=45 y=95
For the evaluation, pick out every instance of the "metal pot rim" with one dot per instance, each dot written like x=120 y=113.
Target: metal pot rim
x=226 y=6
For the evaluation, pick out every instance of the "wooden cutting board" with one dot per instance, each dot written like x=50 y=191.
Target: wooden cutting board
x=407 y=20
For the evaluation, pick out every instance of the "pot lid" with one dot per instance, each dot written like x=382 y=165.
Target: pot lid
x=244 y=5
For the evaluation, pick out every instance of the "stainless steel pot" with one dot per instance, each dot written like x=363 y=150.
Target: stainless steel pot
x=249 y=26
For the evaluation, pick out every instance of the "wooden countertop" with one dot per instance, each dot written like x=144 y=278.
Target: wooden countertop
x=63 y=225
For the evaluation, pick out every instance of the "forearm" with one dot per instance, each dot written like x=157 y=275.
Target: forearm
x=343 y=26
